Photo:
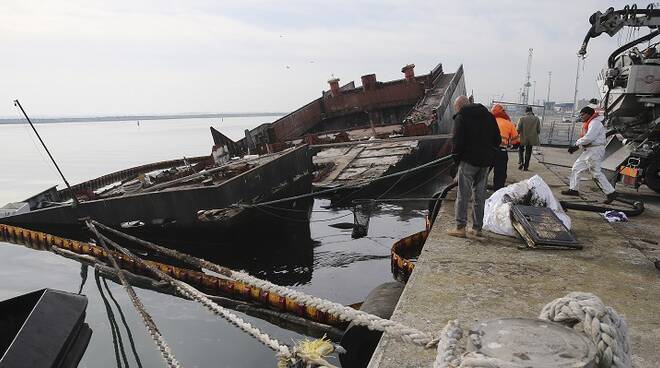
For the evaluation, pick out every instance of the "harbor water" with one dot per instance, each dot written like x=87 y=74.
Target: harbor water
x=324 y=261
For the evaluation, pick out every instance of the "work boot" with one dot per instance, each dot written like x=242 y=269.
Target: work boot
x=611 y=197
x=457 y=232
x=570 y=192
x=477 y=233
x=520 y=167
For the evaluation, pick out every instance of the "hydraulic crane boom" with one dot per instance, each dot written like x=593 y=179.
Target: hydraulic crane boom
x=612 y=21
x=632 y=96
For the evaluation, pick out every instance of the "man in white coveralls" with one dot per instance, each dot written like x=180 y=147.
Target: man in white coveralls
x=592 y=140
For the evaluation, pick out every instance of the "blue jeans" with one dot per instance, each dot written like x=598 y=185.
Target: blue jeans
x=471 y=180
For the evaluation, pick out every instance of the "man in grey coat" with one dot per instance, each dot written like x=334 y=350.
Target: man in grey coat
x=529 y=128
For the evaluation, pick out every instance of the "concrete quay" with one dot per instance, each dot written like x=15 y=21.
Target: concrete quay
x=472 y=280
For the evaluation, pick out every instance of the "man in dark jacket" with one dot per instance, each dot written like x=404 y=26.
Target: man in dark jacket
x=475 y=143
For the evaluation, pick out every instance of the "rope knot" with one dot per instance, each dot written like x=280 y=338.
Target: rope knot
x=315 y=351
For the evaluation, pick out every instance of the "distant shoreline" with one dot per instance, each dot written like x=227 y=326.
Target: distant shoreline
x=138 y=117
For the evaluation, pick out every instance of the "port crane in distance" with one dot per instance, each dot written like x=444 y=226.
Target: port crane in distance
x=631 y=101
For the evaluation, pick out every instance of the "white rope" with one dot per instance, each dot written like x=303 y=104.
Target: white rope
x=187 y=290
x=405 y=333
x=448 y=346
x=601 y=323
x=344 y=313
x=155 y=334
x=149 y=323
x=449 y=353
x=285 y=355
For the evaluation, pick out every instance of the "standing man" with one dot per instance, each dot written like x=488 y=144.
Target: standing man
x=592 y=140
x=475 y=141
x=508 y=134
x=529 y=128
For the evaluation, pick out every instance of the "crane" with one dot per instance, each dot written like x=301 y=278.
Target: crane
x=528 y=77
x=632 y=99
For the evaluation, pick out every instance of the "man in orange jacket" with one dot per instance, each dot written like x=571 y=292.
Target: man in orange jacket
x=509 y=135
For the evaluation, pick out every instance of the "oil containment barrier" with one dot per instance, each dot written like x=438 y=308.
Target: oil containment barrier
x=212 y=284
x=405 y=249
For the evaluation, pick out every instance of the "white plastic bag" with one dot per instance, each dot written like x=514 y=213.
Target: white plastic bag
x=533 y=191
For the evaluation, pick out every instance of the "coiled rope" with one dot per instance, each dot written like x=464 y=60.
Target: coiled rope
x=448 y=350
x=286 y=356
x=405 y=333
x=600 y=323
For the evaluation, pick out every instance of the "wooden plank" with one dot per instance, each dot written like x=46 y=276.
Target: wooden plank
x=342 y=163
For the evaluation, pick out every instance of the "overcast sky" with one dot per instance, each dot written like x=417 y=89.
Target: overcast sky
x=130 y=57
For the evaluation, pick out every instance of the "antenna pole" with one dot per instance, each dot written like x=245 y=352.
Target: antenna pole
x=547 y=100
x=75 y=200
x=528 y=76
x=577 y=81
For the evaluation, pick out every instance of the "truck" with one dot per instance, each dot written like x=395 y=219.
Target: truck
x=631 y=101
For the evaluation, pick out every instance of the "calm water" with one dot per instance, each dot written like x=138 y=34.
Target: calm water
x=329 y=264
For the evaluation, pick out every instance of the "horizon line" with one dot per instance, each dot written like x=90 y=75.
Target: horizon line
x=79 y=118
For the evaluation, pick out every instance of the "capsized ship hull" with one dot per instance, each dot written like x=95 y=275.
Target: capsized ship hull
x=173 y=210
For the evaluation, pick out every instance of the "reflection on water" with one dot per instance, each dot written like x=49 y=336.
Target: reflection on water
x=327 y=263
x=318 y=259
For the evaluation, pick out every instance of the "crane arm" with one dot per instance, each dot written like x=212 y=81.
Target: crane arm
x=612 y=21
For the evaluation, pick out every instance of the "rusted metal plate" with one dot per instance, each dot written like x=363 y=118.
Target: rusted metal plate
x=540 y=226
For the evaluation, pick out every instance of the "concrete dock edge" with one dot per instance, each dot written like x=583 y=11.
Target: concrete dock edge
x=473 y=280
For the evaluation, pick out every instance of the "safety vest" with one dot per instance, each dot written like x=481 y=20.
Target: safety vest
x=508 y=131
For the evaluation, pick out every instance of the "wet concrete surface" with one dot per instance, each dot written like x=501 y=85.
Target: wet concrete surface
x=473 y=280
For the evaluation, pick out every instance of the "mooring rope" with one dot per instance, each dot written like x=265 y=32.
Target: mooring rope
x=149 y=323
x=286 y=356
x=448 y=351
x=148 y=282
x=600 y=323
x=344 y=313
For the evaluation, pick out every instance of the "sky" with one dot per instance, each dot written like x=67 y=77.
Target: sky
x=91 y=58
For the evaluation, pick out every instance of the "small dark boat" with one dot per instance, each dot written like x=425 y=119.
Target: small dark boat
x=45 y=328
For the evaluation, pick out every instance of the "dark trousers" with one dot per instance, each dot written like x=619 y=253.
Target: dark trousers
x=525 y=151
x=499 y=169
